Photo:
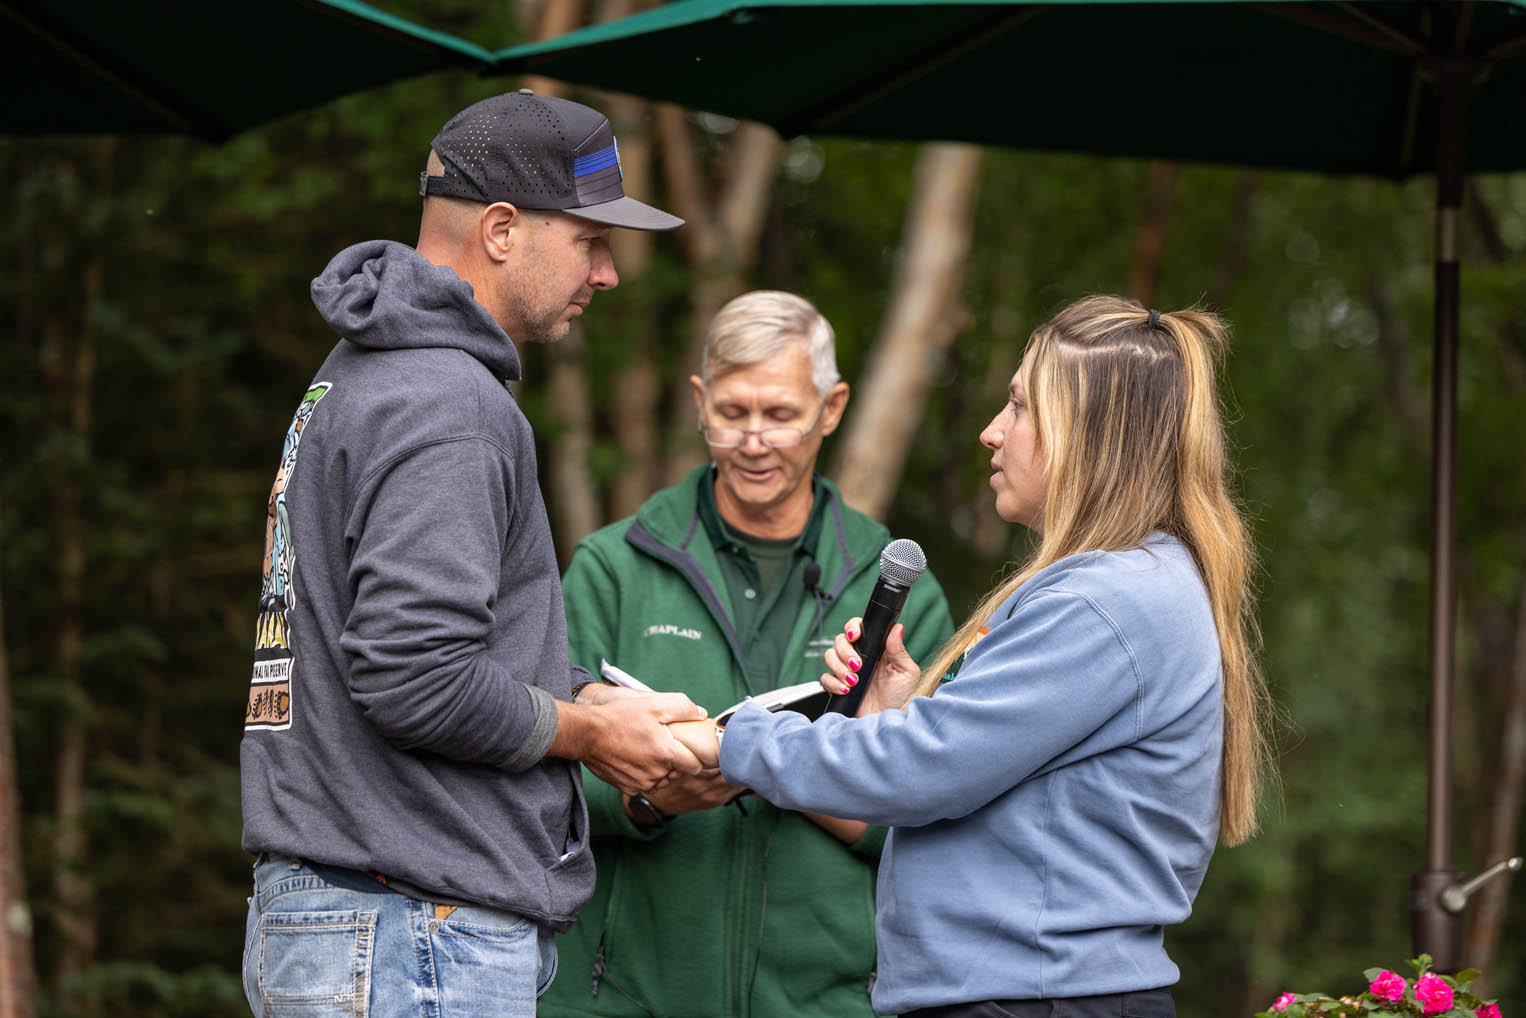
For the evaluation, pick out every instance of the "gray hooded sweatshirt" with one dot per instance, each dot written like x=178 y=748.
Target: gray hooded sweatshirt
x=411 y=637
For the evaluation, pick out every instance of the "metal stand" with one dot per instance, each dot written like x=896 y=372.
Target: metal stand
x=1438 y=894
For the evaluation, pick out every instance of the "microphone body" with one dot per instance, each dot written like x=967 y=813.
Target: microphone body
x=901 y=563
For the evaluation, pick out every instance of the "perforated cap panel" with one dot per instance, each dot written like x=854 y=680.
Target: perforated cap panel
x=537 y=152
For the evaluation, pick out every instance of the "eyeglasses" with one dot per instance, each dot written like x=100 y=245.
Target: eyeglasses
x=727 y=437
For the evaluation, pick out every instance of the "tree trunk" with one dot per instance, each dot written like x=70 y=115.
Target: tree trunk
x=634 y=408
x=1394 y=342
x=17 y=976
x=635 y=413
x=572 y=487
x=74 y=911
x=16 y=982
x=1232 y=261
x=1151 y=241
x=574 y=506
x=554 y=18
x=73 y=908
x=636 y=397
x=720 y=240
x=924 y=316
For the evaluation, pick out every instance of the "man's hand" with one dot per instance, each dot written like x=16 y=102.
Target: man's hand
x=626 y=741
x=604 y=692
x=690 y=793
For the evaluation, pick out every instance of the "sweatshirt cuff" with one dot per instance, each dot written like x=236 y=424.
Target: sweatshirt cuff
x=542 y=732
x=871 y=844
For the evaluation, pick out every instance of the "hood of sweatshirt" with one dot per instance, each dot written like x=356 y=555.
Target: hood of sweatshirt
x=385 y=296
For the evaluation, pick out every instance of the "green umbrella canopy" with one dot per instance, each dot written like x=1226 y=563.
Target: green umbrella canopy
x=1327 y=86
x=201 y=68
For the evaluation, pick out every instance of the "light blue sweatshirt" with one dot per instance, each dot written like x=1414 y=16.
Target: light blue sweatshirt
x=1053 y=808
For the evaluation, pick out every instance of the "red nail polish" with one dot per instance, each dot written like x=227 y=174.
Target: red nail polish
x=852 y=634
x=852 y=680
x=855 y=665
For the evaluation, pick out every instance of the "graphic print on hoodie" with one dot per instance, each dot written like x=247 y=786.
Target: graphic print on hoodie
x=270 y=689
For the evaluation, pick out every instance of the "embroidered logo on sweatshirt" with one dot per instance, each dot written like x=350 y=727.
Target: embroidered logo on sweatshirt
x=668 y=629
x=270 y=689
x=815 y=648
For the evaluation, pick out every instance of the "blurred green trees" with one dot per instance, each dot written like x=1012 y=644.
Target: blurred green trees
x=160 y=335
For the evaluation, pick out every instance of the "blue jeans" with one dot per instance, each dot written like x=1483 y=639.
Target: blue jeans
x=322 y=941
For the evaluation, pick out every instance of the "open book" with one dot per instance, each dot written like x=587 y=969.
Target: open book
x=806 y=698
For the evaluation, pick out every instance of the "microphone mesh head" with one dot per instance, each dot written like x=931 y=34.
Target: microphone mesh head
x=902 y=562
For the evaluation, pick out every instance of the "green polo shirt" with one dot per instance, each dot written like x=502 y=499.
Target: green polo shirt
x=765 y=583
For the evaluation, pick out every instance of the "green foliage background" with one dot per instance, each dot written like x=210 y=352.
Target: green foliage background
x=185 y=269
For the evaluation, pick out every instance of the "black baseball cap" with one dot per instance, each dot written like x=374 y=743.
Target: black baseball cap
x=539 y=153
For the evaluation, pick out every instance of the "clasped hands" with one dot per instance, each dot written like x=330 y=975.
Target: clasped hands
x=692 y=749
x=658 y=744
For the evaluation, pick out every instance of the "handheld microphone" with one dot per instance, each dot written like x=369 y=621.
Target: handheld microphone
x=901 y=563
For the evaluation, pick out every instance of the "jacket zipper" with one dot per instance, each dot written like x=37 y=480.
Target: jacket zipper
x=687 y=566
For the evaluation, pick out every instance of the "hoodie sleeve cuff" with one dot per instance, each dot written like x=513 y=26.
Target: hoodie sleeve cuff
x=541 y=732
x=580 y=677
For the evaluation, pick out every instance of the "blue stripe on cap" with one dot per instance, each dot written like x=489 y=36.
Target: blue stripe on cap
x=602 y=159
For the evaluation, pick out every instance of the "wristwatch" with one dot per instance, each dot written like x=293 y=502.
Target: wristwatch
x=644 y=813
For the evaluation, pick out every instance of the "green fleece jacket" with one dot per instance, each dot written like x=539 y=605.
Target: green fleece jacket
x=722 y=912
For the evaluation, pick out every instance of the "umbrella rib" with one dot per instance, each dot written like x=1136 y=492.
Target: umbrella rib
x=394 y=29
x=1411 y=120
x=1411 y=45
x=1506 y=47
x=129 y=83
x=825 y=115
x=1358 y=27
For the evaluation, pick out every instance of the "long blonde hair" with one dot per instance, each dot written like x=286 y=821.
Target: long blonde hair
x=1127 y=420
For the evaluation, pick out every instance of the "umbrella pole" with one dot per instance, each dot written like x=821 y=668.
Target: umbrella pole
x=1435 y=929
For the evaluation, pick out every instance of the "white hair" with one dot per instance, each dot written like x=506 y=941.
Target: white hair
x=757 y=325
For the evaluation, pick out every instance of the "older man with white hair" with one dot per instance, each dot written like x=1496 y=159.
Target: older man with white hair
x=731 y=583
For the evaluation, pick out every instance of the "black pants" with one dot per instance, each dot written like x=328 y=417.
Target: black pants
x=1139 y=1004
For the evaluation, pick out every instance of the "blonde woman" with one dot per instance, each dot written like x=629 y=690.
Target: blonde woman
x=1057 y=777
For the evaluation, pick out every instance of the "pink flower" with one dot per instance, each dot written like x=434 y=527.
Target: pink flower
x=1433 y=993
x=1388 y=986
x=1282 y=1002
x=1488 y=1011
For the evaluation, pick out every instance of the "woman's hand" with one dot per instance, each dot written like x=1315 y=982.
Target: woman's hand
x=895 y=676
x=699 y=738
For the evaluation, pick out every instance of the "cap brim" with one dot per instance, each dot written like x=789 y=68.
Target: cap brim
x=629 y=213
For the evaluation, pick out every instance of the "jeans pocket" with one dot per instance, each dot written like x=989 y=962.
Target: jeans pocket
x=251 y=960
x=487 y=963
x=316 y=964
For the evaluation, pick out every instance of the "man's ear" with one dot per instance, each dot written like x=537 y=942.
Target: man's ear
x=699 y=392
x=495 y=230
x=832 y=411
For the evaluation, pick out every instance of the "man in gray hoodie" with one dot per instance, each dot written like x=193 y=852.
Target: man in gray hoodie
x=409 y=760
